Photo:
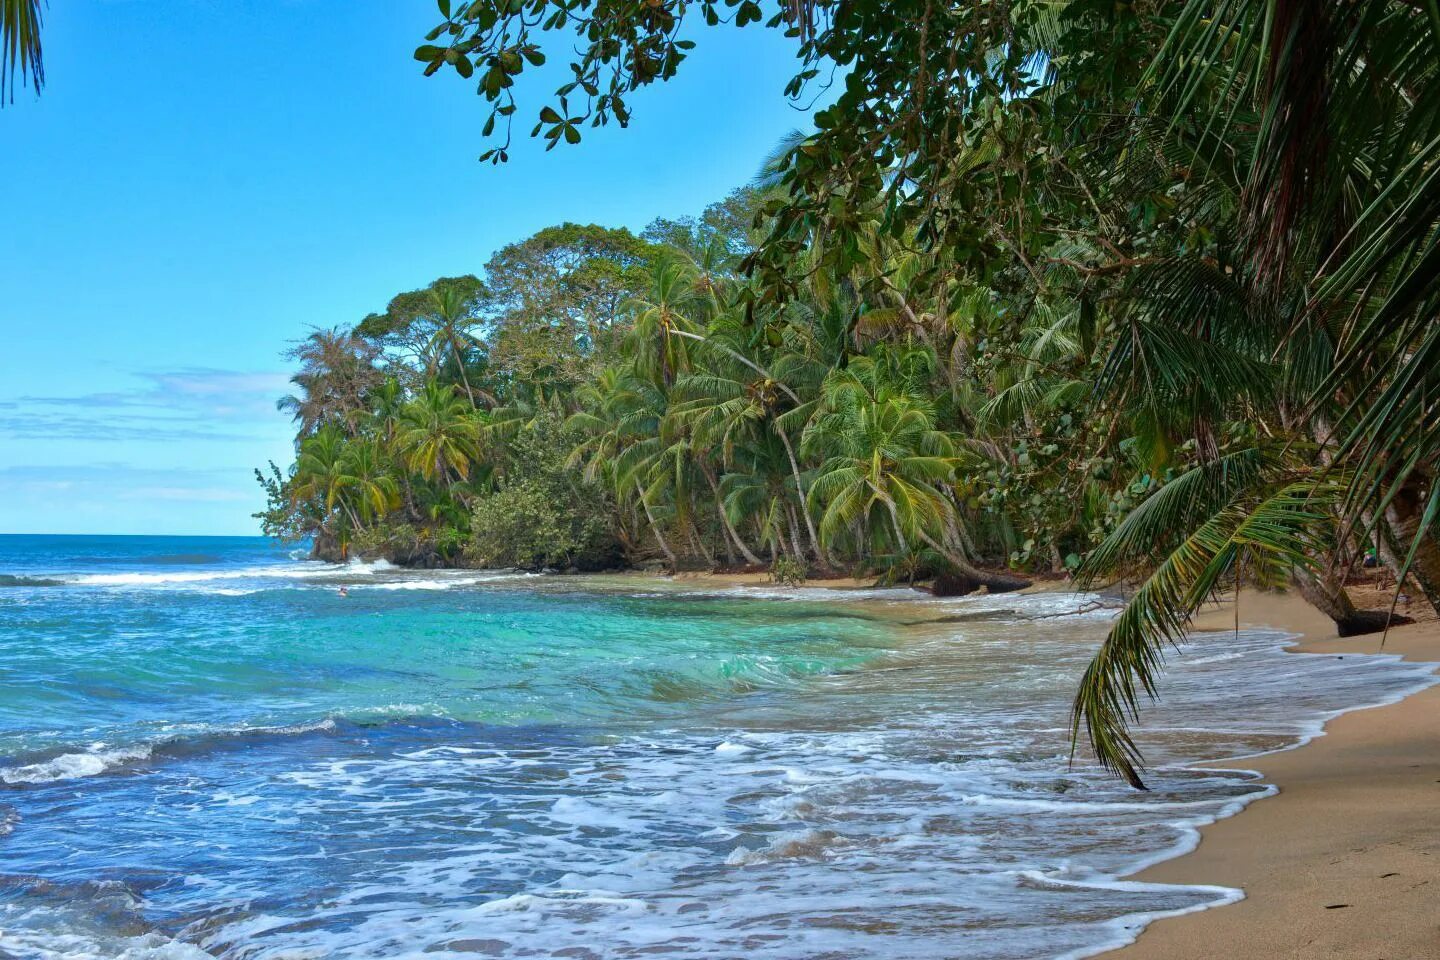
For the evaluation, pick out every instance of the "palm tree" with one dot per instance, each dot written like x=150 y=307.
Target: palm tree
x=369 y=474
x=620 y=416
x=386 y=402
x=732 y=395
x=729 y=404
x=337 y=375
x=1232 y=521
x=756 y=489
x=657 y=345
x=1312 y=145
x=885 y=466
x=322 y=476
x=453 y=303
x=439 y=434
x=20 y=22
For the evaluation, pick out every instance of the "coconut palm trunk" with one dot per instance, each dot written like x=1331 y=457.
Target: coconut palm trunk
x=973 y=576
x=794 y=526
x=1323 y=591
x=697 y=543
x=464 y=377
x=800 y=489
x=725 y=520
x=655 y=528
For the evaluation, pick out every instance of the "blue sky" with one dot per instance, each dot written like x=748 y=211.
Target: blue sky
x=202 y=181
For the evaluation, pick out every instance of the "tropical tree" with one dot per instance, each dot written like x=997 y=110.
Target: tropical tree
x=1310 y=135
x=730 y=399
x=439 y=434
x=369 y=477
x=658 y=342
x=620 y=421
x=322 y=476
x=337 y=375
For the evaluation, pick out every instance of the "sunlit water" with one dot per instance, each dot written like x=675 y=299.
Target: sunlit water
x=205 y=751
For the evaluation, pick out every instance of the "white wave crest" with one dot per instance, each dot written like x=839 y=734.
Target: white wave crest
x=301 y=570
x=71 y=766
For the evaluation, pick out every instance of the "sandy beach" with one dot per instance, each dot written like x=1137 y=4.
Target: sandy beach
x=1344 y=863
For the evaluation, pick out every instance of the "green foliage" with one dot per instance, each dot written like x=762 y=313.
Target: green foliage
x=789 y=572
x=556 y=304
x=523 y=526
x=544 y=515
x=281 y=518
x=1266 y=530
x=406 y=544
x=20 y=22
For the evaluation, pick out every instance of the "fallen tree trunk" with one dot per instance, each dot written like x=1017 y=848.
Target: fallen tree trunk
x=966 y=578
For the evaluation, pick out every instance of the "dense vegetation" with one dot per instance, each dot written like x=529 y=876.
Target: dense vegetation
x=599 y=399
x=1144 y=290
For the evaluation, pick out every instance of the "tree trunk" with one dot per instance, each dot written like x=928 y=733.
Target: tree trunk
x=729 y=551
x=464 y=378
x=698 y=542
x=895 y=523
x=794 y=526
x=750 y=557
x=994 y=582
x=1405 y=514
x=1395 y=533
x=655 y=528
x=1325 y=593
x=800 y=488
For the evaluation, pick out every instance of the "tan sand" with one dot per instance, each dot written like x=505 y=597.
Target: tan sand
x=1344 y=863
x=761 y=579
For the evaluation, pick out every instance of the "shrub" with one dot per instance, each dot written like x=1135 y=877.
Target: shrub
x=545 y=514
x=526 y=526
x=788 y=571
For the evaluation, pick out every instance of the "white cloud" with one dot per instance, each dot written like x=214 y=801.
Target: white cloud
x=194 y=404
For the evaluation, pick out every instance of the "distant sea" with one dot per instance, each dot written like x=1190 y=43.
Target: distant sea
x=207 y=751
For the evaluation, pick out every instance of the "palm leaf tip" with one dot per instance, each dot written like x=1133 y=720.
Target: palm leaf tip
x=20 y=22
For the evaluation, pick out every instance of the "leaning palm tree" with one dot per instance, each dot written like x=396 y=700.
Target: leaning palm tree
x=887 y=469
x=657 y=343
x=1239 y=524
x=757 y=493
x=369 y=474
x=618 y=411
x=728 y=402
x=322 y=477
x=20 y=22
x=1318 y=128
x=452 y=306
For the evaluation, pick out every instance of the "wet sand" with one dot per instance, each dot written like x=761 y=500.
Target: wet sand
x=1344 y=863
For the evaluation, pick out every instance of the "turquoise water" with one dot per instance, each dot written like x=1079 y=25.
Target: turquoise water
x=207 y=751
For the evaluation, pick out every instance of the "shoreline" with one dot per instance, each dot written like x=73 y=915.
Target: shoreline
x=1282 y=862
x=1342 y=855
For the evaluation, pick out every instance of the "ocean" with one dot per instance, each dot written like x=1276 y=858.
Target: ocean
x=207 y=751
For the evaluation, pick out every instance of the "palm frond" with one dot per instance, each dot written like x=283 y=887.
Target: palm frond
x=20 y=50
x=1287 y=527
